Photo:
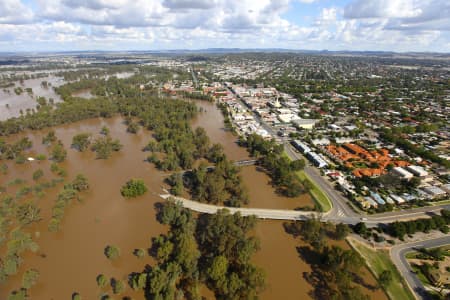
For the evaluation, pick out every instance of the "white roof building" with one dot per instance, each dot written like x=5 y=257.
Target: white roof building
x=403 y=173
x=417 y=170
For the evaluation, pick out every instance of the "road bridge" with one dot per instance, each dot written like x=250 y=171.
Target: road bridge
x=260 y=213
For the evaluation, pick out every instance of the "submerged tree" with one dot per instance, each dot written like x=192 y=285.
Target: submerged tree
x=133 y=188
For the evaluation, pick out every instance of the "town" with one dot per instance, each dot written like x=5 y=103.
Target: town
x=381 y=141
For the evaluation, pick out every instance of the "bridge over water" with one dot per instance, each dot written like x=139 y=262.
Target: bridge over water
x=260 y=213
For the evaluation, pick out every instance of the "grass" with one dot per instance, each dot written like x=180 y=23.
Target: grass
x=316 y=193
x=443 y=202
x=379 y=260
x=420 y=275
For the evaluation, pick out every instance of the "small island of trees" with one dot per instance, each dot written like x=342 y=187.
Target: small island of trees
x=134 y=188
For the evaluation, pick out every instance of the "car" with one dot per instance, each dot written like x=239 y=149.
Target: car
x=363 y=219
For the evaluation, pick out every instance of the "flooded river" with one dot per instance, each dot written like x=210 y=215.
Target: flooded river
x=11 y=104
x=70 y=260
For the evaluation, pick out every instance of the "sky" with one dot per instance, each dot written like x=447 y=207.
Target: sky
x=359 y=25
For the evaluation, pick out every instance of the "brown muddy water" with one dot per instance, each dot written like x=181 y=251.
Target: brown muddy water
x=24 y=101
x=70 y=260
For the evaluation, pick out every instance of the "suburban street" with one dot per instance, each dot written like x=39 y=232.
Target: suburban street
x=398 y=257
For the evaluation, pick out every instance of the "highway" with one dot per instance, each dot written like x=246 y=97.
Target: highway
x=398 y=258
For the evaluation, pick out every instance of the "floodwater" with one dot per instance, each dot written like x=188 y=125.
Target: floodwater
x=25 y=101
x=86 y=94
x=74 y=256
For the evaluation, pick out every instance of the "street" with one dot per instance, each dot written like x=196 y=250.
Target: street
x=398 y=258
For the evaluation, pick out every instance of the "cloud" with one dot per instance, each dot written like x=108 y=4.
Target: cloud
x=189 y=4
x=14 y=12
x=361 y=9
x=150 y=24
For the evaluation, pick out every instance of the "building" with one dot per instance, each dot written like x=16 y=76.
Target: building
x=434 y=191
x=300 y=146
x=402 y=173
x=305 y=123
x=317 y=160
x=417 y=171
x=371 y=202
x=397 y=199
x=377 y=198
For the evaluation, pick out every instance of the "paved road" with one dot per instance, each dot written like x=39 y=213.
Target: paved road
x=340 y=208
x=285 y=214
x=260 y=213
x=398 y=257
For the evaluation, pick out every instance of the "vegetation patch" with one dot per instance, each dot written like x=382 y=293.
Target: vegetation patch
x=134 y=188
x=378 y=261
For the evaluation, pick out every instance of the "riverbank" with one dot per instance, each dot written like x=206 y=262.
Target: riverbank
x=378 y=261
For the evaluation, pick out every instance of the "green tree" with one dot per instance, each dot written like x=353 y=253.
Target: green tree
x=104 y=130
x=104 y=146
x=80 y=183
x=132 y=127
x=38 y=174
x=140 y=253
x=118 y=286
x=342 y=230
x=360 y=228
x=81 y=141
x=18 y=295
x=49 y=138
x=59 y=154
x=30 y=277
x=218 y=269
x=102 y=281
x=112 y=252
x=385 y=278
x=133 y=188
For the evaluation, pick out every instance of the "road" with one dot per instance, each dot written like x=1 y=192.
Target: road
x=398 y=257
x=285 y=214
x=341 y=211
x=340 y=208
x=194 y=77
x=260 y=213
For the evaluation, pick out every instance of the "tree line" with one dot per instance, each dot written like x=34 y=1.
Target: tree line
x=281 y=170
x=214 y=250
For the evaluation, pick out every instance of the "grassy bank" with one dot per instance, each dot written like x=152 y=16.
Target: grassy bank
x=379 y=260
x=316 y=193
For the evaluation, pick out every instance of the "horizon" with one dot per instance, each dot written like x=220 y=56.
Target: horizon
x=401 y=26
x=221 y=50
